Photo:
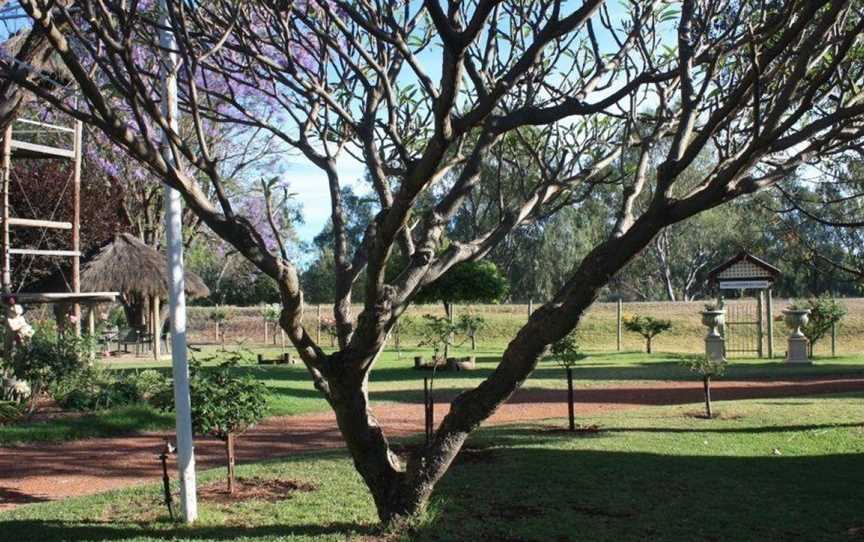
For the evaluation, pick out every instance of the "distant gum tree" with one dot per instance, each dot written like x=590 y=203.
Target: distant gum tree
x=423 y=94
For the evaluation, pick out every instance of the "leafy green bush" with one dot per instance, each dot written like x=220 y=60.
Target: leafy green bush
x=148 y=384
x=48 y=358
x=225 y=403
x=647 y=326
x=98 y=389
x=825 y=312
x=10 y=411
x=566 y=352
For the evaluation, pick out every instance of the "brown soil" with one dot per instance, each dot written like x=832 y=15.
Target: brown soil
x=253 y=488
x=42 y=472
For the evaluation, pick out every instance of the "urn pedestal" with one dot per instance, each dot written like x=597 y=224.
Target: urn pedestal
x=798 y=346
x=715 y=344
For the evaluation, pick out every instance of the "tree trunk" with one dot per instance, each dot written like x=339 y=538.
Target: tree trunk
x=648 y=345
x=229 y=455
x=473 y=342
x=570 y=407
x=706 y=384
x=400 y=491
x=380 y=468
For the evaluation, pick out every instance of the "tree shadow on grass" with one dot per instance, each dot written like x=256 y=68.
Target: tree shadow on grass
x=643 y=395
x=540 y=493
x=742 y=430
x=58 y=530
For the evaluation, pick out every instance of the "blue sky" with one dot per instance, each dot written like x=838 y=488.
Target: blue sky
x=310 y=184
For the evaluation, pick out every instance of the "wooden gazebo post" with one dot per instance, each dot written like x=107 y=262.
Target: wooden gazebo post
x=156 y=327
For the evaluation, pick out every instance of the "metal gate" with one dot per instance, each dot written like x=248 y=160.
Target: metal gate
x=742 y=330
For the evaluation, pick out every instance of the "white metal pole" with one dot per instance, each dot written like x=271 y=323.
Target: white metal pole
x=177 y=295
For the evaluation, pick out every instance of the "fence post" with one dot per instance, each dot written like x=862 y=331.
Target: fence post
x=530 y=307
x=770 y=324
x=618 y=325
x=834 y=340
x=759 y=325
x=318 y=326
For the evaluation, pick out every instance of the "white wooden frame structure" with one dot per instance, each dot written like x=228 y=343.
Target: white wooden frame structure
x=12 y=148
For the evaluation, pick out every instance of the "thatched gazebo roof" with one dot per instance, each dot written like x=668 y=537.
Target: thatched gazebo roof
x=129 y=266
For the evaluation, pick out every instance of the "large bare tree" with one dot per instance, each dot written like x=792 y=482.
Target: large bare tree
x=422 y=93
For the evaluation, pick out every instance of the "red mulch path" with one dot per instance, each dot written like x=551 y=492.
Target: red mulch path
x=44 y=472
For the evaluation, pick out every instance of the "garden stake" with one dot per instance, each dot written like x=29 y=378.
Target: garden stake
x=166 y=481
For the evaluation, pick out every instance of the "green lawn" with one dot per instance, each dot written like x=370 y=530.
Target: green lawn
x=779 y=469
x=395 y=380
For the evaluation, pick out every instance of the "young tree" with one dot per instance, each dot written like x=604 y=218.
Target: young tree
x=225 y=403
x=438 y=334
x=647 y=326
x=763 y=88
x=707 y=369
x=471 y=325
x=566 y=353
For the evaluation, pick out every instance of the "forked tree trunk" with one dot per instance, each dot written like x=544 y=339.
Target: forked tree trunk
x=402 y=490
x=230 y=458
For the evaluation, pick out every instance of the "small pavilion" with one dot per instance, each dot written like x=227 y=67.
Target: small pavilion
x=745 y=327
x=140 y=274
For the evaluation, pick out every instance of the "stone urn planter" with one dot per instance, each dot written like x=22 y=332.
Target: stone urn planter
x=713 y=319
x=797 y=351
x=796 y=319
x=715 y=344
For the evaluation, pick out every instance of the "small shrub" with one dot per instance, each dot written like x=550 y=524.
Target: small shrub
x=224 y=403
x=825 y=312
x=98 y=389
x=148 y=384
x=566 y=352
x=707 y=369
x=647 y=326
x=92 y=389
x=48 y=358
x=438 y=333
x=471 y=325
x=10 y=411
x=271 y=312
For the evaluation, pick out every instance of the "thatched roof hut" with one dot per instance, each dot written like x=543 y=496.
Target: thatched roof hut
x=129 y=266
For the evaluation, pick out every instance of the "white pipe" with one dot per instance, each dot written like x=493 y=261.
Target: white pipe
x=177 y=295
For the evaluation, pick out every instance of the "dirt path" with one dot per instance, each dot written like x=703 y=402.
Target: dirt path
x=42 y=472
